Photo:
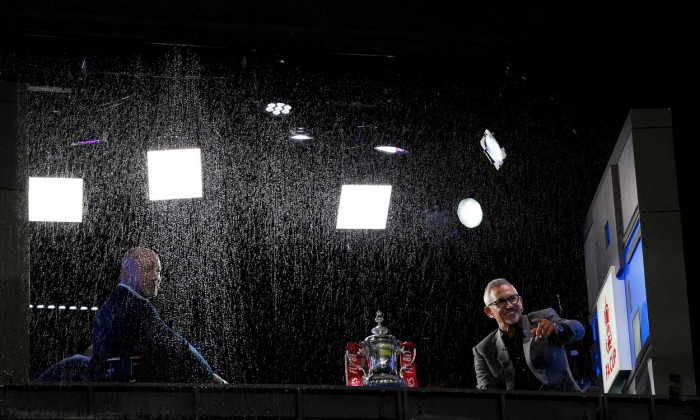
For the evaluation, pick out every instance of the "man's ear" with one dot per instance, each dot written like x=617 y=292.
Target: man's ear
x=487 y=311
x=122 y=273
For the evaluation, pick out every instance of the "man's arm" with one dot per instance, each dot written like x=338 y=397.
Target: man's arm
x=551 y=324
x=484 y=376
x=569 y=330
x=184 y=363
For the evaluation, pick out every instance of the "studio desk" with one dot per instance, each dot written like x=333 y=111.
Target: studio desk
x=179 y=401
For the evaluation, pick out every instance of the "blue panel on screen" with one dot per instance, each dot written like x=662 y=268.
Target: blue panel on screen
x=607 y=234
x=636 y=288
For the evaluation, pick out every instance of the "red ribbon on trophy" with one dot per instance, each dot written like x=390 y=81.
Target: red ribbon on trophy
x=353 y=363
x=407 y=364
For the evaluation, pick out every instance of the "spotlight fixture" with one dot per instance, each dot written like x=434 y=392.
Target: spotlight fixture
x=390 y=149
x=470 y=213
x=62 y=307
x=55 y=199
x=493 y=151
x=51 y=306
x=40 y=306
x=73 y=307
x=363 y=206
x=84 y=142
x=174 y=174
x=83 y=308
x=299 y=134
x=94 y=308
x=278 y=108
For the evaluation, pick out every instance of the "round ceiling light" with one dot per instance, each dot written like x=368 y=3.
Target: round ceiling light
x=470 y=213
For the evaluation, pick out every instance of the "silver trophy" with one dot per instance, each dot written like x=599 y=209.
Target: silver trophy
x=382 y=352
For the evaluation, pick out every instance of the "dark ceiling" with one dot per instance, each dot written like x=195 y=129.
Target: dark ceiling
x=578 y=46
x=357 y=27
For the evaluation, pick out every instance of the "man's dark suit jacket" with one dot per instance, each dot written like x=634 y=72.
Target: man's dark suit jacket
x=546 y=357
x=70 y=369
x=127 y=322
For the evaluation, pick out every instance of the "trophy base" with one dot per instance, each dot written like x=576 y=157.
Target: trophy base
x=385 y=379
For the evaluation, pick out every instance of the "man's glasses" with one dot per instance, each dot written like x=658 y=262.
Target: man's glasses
x=513 y=299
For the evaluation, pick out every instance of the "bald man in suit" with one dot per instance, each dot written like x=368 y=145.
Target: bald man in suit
x=127 y=323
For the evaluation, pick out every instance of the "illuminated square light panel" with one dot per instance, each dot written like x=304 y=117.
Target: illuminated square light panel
x=363 y=206
x=174 y=174
x=55 y=199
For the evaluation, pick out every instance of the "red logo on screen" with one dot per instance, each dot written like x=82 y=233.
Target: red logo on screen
x=608 y=328
x=612 y=353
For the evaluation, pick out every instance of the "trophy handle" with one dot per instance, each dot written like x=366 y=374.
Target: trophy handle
x=413 y=360
x=347 y=357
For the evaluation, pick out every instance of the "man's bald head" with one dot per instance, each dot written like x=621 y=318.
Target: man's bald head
x=141 y=271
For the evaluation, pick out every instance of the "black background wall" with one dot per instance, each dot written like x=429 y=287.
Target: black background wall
x=255 y=271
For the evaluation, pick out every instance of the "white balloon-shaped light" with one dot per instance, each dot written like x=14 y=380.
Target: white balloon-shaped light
x=469 y=212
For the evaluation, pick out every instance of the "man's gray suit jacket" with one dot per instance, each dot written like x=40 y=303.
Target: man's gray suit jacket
x=546 y=357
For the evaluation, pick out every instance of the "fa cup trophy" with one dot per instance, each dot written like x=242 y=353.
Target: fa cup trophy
x=382 y=360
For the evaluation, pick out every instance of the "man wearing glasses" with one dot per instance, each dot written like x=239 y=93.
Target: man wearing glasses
x=525 y=352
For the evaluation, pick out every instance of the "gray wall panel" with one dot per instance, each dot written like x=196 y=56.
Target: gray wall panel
x=604 y=212
x=628 y=185
x=591 y=268
x=656 y=173
x=669 y=328
x=14 y=249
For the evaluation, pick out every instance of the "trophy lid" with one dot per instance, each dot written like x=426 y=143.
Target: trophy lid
x=379 y=329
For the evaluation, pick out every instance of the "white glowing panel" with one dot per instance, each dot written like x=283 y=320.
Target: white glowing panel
x=55 y=199
x=174 y=174
x=614 y=335
x=363 y=206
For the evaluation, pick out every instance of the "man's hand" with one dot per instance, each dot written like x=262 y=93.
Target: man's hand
x=543 y=328
x=218 y=380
